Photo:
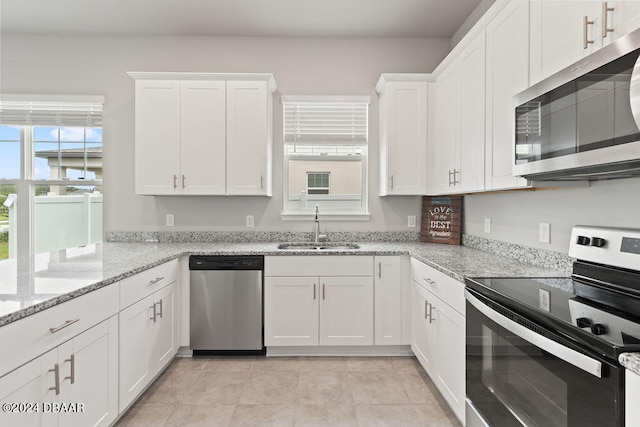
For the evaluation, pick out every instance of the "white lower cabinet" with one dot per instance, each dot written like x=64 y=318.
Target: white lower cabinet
x=147 y=341
x=304 y=308
x=438 y=337
x=391 y=296
x=632 y=397
x=318 y=311
x=74 y=384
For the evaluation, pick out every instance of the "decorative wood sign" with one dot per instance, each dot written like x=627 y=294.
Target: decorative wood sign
x=441 y=220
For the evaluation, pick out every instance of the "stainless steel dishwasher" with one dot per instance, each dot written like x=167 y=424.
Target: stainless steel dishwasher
x=226 y=304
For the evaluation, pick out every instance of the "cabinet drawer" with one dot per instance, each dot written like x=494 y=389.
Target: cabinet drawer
x=444 y=287
x=145 y=283
x=31 y=336
x=321 y=265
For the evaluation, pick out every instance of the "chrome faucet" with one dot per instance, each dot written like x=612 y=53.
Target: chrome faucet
x=317 y=225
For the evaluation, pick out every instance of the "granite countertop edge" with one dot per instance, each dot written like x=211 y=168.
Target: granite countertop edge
x=631 y=361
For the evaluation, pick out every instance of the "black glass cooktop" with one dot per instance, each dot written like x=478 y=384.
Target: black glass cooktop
x=585 y=313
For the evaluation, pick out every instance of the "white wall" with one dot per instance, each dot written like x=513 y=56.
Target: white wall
x=98 y=65
x=515 y=215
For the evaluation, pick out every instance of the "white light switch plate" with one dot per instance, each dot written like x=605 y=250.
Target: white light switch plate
x=544 y=232
x=411 y=221
x=487 y=225
x=169 y=220
x=249 y=222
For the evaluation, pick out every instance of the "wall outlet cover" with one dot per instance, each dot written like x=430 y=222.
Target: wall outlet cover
x=544 y=232
x=169 y=220
x=411 y=221
x=249 y=222
x=487 y=225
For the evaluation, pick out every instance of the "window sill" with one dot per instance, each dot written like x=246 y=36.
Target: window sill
x=310 y=216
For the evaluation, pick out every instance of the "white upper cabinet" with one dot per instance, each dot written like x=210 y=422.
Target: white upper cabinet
x=403 y=134
x=157 y=134
x=619 y=18
x=203 y=134
x=249 y=138
x=507 y=74
x=203 y=137
x=456 y=154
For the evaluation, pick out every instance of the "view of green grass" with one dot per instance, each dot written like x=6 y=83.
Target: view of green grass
x=4 y=250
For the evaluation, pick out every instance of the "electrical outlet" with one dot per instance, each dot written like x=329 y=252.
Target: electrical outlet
x=544 y=232
x=411 y=221
x=487 y=225
x=543 y=302
x=169 y=221
x=249 y=221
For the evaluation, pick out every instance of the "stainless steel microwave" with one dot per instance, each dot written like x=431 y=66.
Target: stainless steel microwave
x=583 y=123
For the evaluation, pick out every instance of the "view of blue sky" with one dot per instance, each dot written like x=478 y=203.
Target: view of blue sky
x=45 y=139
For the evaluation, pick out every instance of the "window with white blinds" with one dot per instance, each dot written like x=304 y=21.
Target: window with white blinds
x=22 y=111
x=326 y=121
x=330 y=135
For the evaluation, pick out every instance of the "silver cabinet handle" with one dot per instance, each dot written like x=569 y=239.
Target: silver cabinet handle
x=392 y=181
x=175 y=181
x=450 y=173
x=64 y=325
x=585 y=32
x=314 y=291
x=323 y=296
x=455 y=181
x=156 y=280
x=154 y=313
x=429 y=281
x=262 y=182
x=431 y=308
x=425 y=309
x=379 y=270
x=72 y=374
x=160 y=312
x=183 y=179
x=605 y=19
x=56 y=370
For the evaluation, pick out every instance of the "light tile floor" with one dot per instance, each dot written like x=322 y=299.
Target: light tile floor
x=291 y=391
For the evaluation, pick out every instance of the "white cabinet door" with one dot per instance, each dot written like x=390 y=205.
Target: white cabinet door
x=249 y=138
x=136 y=349
x=89 y=375
x=165 y=327
x=403 y=138
x=507 y=75
x=27 y=384
x=442 y=152
x=157 y=147
x=346 y=311
x=203 y=137
x=424 y=338
x=469 y=173
x=560 y=36
x=450 y=353
x=291 y=311
x=631 y=396
x=388 y=298
x=624 y=18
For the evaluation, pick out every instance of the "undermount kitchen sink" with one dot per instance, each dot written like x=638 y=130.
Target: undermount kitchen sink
x=327 y=246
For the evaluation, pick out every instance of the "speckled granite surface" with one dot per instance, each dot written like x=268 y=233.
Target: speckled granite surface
x=30 y=286
x=631 y=361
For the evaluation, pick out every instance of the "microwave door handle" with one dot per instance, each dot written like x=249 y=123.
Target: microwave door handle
x=567 y=354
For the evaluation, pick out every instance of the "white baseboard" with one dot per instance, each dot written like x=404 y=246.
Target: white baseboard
x=386 y=350
x=184 y=352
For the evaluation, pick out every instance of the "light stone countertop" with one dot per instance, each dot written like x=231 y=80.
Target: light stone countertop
x=631 y=361
x=30 y=286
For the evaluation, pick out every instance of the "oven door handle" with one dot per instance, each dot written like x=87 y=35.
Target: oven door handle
x=567 y=354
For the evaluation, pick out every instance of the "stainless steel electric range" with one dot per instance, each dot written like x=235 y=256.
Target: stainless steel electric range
x=544 y=351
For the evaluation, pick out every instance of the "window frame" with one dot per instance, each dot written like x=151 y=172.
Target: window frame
x=362 y=214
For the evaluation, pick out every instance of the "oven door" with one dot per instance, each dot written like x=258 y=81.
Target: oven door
x=519 y=374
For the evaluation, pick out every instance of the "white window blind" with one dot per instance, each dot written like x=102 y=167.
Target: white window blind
x=326 y=122
x=78 y=112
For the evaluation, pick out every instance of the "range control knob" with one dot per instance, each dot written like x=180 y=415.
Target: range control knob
x=583 y=322
x=598 y=242
x=583 y=241
x=599 y=329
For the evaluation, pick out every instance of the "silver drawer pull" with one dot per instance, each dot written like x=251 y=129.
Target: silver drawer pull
x=56 y=370
x=64 y=325
x=160 y=312
x=429 y=281
x=153 y=307
x=156 y=280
